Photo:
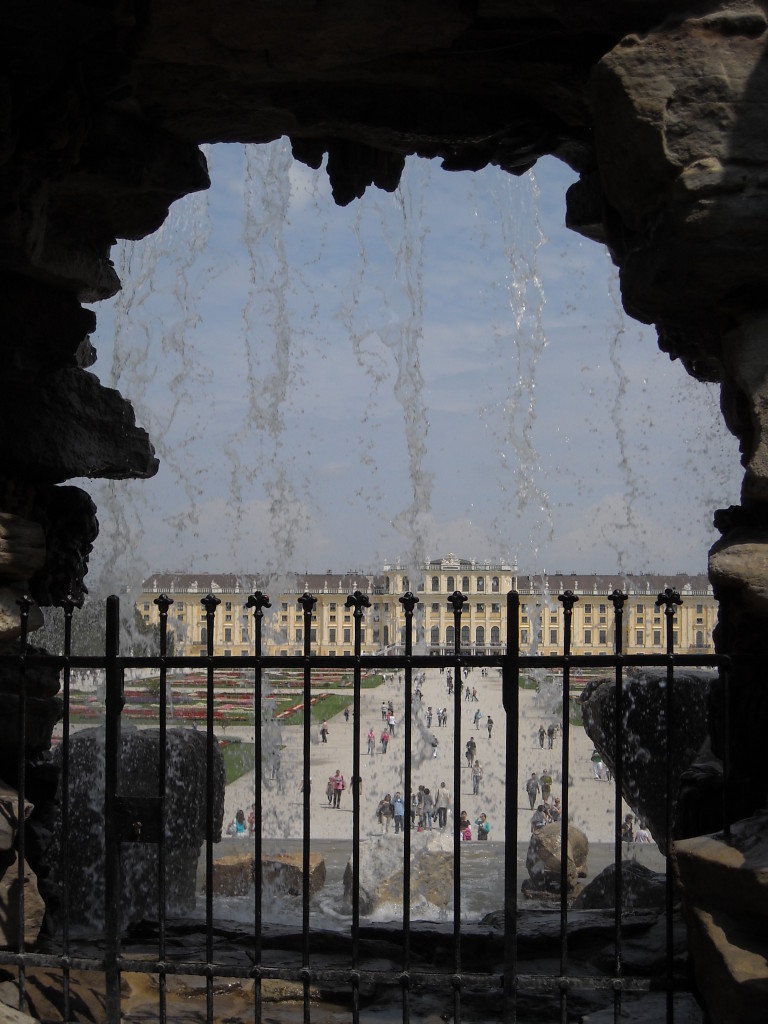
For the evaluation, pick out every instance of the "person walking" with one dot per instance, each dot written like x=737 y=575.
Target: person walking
x=324 y=732
x=442 y=803
x=470 y=751
x=384 y=740
x=398 y=810
x=477 y=777
x=385 y=812
x=483 y=827
x=532 y=789
x=371 y=741
x=542 y=734
x=476 y=719
x=550 y=734
x=339 y=785
x=489 y=725
x=546 y=785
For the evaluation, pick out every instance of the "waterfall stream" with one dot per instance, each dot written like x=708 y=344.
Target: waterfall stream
x=342 y=387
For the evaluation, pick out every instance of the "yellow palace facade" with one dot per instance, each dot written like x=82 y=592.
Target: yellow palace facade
x=483 y=621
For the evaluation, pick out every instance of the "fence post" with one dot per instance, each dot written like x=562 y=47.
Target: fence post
x=113 y=707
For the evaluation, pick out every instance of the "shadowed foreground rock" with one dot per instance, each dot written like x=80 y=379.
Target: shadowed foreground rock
x=644 y=729
x=725 y=883
x=185 y=821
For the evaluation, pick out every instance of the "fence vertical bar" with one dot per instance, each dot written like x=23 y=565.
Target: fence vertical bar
x=357 y=602
x=568 y=600
x=24 y=604
x=307 y=603
x=259 y=601
x=163 y=603
x=618 y=600
x=210 y=602
x=510 y=695
x=68 y=607
x=409 y=602
x=669 y=599
x=725 y=675
x=114 y=703
x=456 y=600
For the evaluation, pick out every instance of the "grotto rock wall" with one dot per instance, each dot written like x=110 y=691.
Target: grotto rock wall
x=661 y=107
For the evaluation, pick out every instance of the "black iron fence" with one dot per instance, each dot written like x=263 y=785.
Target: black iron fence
x=481 y=971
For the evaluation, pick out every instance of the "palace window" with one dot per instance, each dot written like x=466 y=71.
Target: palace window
x=480 y=584
x=603 y=637
x=523 y=636
x=495 y=609
x=465 y=634
x=587 y=609
x=465 y=584
x=657 y=638
x=495 y=636
x=244 y=636
x=480 y=636
x=203 y=634
x=435 y=608
x=699 y=638
x=434 y=636
x=435 y=584
x=313 y=636
x=450 y=634
x=639 y=638
x=450 y=584
x=553 y=636
x=228 y=606
x=587 y=636
x=495 y=584
x=347 y=635
x=481 y=608
x=298 y=636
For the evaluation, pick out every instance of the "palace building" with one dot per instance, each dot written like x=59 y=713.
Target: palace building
x=483 y=621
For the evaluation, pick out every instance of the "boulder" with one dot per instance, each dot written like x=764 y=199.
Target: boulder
x=544 y=856
x=725 y=903
x=283 y=872
x=34 y=907
x=184 y=830
x=640 y=888
x=381 y=874
x=234 y=874
x=643 y=782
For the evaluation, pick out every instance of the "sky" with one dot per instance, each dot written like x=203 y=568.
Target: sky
x=442 y=369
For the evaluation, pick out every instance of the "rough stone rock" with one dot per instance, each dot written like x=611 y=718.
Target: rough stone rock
x=730 y=874
x=81 y=429
x=381 y=874
x=682 y=156
x=544 y=857
x=234 y=874
x=22 y=547
x=641 y=888
x=740 y=562
x=283 y=872
x=725 y=886
x=9 y=822
x=34 y=907
x=10 y=620
x=185 y=821
x=644 y=730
